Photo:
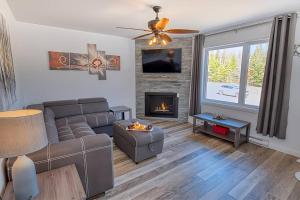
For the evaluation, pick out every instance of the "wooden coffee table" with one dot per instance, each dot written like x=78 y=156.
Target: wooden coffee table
x=235 y=125
x=62 y=183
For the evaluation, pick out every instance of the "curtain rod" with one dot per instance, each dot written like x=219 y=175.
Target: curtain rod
x=244 y=25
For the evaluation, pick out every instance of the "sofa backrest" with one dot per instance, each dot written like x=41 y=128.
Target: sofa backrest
x=64 y=108
x=67 y=108
x=52 y=133
x=93 y=105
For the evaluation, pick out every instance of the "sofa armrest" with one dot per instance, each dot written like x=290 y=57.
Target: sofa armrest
x=91 y=154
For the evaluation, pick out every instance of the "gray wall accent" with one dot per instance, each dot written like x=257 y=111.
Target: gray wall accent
x=164 y=82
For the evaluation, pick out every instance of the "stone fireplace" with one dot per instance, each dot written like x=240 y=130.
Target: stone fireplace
x=176 y=83
x=161 y=104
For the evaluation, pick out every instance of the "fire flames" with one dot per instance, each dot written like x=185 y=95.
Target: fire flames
x=163 y=107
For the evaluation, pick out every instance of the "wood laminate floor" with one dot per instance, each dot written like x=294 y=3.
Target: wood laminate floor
x=196 y=166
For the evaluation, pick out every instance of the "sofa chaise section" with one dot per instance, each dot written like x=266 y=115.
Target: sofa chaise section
x=70 y=127
x=91 y=154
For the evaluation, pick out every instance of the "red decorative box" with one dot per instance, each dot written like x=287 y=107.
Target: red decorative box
x=220 y=130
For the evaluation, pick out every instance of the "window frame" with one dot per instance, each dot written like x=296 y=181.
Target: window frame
x=240 y=105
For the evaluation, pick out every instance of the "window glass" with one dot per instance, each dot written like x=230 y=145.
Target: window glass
x=256 y=68
x=224 y=69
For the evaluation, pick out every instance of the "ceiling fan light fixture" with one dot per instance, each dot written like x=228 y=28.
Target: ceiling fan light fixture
x=157 y=27
x=154 y=39
x=163 y=42
x=150 y=42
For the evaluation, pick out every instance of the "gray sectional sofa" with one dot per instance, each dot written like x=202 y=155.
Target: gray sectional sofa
x=74 y=130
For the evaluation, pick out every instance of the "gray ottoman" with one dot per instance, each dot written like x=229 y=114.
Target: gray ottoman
x=138 y=145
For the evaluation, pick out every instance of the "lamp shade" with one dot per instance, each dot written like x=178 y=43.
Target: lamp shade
x=21 y=132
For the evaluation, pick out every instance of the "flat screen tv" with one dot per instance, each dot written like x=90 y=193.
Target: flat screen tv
x=161 y=61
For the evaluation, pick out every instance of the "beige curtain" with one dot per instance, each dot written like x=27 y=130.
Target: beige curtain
x=195 y=104
x=274 y=102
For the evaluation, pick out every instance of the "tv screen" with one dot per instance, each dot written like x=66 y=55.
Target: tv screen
x=161 y=61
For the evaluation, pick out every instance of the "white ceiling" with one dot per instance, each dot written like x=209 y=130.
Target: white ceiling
x=102 y=16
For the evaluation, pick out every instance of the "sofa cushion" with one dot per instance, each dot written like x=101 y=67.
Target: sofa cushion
x=94 y=120
x=91 y=100
x=60 y=103
x=81 y=129
x=64 y=108
x=65 y=133
x=75 y=130
x=70 y=120
x=36 y=107
x=52 y=133
x=100 y=119
x=97 y=107
x=49 y=114
x=93 y=105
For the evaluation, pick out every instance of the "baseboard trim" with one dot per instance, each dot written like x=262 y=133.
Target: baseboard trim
x=286 y=150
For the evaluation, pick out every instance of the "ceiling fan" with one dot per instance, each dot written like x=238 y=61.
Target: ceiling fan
x=156 y=28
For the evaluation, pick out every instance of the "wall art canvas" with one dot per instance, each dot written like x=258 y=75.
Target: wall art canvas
x=79 y=62
x=102 y=57
x=7 y=74
x=59 y=60
x=102 y=65
x=95 y=61
x=102 y=74
x=113 y=62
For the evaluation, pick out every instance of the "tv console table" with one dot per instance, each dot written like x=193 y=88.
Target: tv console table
x=234 y=125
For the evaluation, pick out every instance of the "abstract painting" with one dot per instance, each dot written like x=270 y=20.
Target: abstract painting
x=101 y=56
x=7 y=74
x=102 y=66
x=59 y=60
x=113 y=62
x=79 y=62
x=102 y=74
x=95 y=62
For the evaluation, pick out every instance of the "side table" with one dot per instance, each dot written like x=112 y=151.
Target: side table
x=122 y=110
x=62 y=183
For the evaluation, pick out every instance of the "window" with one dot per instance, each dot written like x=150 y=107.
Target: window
x=234 y=73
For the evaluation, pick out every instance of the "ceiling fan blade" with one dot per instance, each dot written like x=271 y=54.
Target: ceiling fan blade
x=162 y=23
x=141 y=36
x=136 y=29
x=181 y=31
x=165 y=37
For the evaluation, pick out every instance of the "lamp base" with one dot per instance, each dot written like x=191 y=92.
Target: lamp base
x=24 y=179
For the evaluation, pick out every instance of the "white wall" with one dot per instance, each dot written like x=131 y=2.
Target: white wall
x=36 y=83
x=291 y=144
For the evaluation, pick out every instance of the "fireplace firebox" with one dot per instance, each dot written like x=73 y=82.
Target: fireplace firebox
x=161 y=104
